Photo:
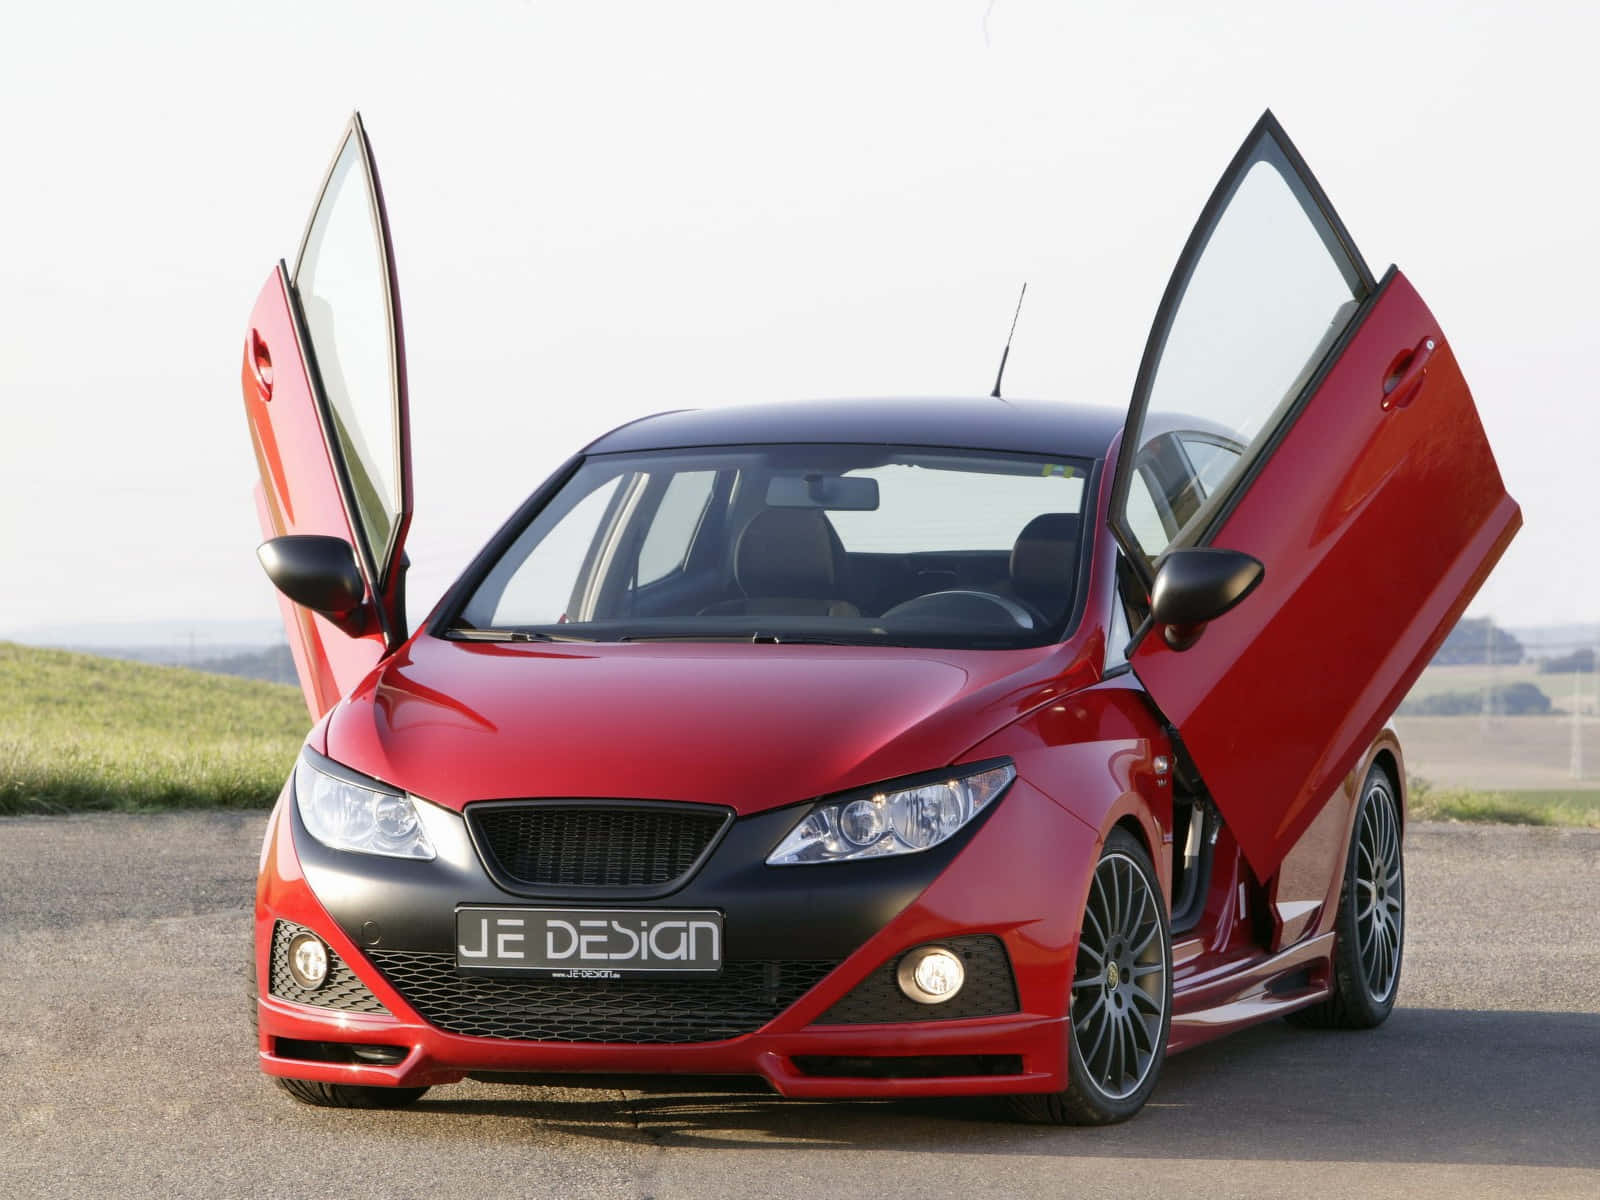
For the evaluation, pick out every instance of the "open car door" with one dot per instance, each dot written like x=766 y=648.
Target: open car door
x=1366 y=490
x=325 y=395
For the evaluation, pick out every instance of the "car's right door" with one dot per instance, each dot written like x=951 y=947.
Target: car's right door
x=325 y=397
x=1366 y=488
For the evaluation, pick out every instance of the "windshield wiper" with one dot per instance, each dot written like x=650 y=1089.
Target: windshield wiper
x=810 y=639
x=466 y=633
x=683 y=637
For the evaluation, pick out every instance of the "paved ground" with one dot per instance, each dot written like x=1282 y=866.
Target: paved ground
x=126 y=1070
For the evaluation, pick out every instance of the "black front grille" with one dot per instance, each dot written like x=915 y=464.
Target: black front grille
x=561 y=844
x=744 y=997
x=989 y=990
x=341 y=990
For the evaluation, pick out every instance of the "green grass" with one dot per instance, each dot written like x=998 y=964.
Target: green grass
x=80 y=733
x=1579 y=808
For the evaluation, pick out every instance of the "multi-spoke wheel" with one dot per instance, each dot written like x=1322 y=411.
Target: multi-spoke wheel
x=1121 y=1005
x=1372 y=917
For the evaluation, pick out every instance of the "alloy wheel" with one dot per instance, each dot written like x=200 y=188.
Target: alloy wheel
x=1380 y=890
x=1119 y=986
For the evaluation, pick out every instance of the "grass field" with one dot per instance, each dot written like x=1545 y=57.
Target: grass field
x=81 y=733
x=1526 y=807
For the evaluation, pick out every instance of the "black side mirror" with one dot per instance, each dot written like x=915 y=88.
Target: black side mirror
x=319 y=573
x=1196 y=586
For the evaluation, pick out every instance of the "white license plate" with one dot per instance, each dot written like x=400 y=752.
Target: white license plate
x=588 y=943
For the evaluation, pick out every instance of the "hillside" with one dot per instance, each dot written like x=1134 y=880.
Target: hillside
x=78 y=732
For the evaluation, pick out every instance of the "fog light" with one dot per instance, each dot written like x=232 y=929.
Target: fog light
x=308 y=961
x=930 y=975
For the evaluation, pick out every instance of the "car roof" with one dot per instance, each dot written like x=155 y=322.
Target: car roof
x=977 y=423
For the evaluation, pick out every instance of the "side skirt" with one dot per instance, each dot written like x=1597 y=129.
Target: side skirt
x=1265 y=988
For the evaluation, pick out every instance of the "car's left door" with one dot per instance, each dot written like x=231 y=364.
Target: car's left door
x=325 y=395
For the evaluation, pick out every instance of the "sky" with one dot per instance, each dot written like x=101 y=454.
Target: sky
x=605 y=210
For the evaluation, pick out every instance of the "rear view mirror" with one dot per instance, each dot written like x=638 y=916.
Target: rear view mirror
x=842 y=493
x=1196 y=586
x=319 y=573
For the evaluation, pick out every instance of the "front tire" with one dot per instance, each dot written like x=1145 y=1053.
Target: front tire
x=1370 y=935
x=1120 y=1005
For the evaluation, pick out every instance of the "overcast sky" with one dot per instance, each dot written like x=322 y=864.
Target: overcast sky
x=604 y=210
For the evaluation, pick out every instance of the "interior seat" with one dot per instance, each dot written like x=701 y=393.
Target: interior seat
x=788 y=562
x=1044 y=563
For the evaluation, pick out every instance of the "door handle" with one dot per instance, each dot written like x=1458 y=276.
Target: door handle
x=260 y=364
x=1406 y=375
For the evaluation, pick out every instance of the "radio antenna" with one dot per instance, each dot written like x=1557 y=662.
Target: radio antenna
x=1006 y=353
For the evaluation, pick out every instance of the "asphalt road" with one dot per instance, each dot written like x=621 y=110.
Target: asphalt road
x=126 y=1066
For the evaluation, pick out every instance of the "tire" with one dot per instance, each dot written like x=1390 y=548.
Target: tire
x=1120 y=1000
x=349 y=1095
x=1369 y=940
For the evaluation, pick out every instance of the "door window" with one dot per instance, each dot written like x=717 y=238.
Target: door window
x=1265 y=288
x=1210 y=461
x=342 y=279
x=1143 y=515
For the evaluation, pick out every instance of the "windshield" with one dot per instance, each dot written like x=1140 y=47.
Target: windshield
x=833 y=543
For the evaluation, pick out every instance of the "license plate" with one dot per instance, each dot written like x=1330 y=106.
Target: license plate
x=588 y=943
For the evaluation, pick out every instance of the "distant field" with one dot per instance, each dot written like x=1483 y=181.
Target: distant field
x=79 y=732
x=1472 y=678
x=1501 y=754
x=1502 y=768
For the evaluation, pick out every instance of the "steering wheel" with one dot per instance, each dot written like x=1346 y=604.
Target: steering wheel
x=968 y=606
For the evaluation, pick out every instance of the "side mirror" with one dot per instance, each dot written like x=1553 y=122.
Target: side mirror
x=319 y=573
x=1196 y=586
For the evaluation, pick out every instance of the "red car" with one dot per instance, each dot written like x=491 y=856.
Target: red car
x=869 y=748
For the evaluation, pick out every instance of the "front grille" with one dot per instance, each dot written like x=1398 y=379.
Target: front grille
x=341 y=990
x=743 y=998
x=989 y=990
x=617 y=845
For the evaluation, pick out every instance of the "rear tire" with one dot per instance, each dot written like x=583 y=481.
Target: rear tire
x=349 y=1095
x=1370 y=932
x=1120 y=1001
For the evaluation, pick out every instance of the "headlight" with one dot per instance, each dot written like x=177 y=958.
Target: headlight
x=346 y=815
x=870 y=825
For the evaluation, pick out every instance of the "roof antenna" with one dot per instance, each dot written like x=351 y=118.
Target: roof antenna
x=1006 y=353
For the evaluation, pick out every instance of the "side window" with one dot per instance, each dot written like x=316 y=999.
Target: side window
x=1265 y=287
x=1143 y=515
x=1211 y=461
x=342 y=280
x=666 y=543
x=1117 y=633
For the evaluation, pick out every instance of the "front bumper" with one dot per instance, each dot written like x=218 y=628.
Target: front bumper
x=1018 y=876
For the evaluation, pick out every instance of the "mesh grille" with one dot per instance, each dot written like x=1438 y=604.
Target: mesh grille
x=742 y=999
x=564 y=845
x=989 y=991
x=342 y=990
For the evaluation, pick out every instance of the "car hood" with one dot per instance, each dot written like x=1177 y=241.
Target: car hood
x=749 y=726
